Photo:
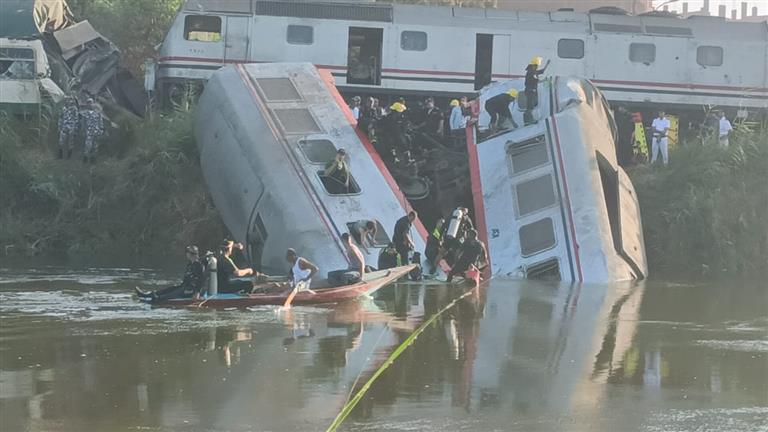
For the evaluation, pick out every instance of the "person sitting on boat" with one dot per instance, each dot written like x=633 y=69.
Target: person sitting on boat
x=190 y=286
x=434 y=246
x=338 y=171
x=472 y=253
x=227 y=271
x=357 y=268
x=402 y=236
x=388 y=257
x=302 y=270
x=364 y=231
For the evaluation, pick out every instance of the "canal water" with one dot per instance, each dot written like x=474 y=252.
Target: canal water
x=78 y=353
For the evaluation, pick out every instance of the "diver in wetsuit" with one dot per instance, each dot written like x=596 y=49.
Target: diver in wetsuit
x=472 y=253
x=190 y=286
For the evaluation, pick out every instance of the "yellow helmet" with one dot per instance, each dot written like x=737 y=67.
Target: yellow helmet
x=455 y=103
x=512 y=92
x=536 y=61
x=397 y=106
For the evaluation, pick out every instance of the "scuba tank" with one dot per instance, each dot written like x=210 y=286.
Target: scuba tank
x=455 y=222
x=210 y=269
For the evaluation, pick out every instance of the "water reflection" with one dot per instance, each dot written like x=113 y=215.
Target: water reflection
x=511 y=356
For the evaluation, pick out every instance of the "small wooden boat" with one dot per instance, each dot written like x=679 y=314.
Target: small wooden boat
x=323 y=294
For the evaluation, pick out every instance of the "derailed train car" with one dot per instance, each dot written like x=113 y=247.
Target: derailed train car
x=265 y=133
x=550 y=196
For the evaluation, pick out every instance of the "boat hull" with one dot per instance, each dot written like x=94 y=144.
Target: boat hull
x=371 y=283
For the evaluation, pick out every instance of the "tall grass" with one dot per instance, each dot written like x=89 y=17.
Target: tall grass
x=706 y=214
x=144 y=195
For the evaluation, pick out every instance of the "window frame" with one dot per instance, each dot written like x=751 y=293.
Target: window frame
x=548 y=247
x=303 y=27
x=413 y=33
x=699 y=50
x=642 y=45
x=570 y=57
x=27 y=60
x=187 y=30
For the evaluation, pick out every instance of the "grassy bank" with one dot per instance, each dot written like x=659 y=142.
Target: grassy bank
x=144 y=195
x=706 y=214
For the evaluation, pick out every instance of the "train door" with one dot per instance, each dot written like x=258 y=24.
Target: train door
x=237 y=39
x=483 y=60
x=364 y=52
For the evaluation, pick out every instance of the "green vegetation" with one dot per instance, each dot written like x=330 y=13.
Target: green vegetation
x=706 y=214
x=144 y=195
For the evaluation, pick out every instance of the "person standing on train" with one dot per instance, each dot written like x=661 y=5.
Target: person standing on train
x=660 y=127
x=499 y=107
x=355 y=107
x=532 y=73
x=457 y=122
x=725 y=129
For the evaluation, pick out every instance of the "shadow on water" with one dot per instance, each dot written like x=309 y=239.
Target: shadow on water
x=78 y=353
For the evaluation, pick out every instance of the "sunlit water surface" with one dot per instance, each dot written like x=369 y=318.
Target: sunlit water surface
x=78 y=353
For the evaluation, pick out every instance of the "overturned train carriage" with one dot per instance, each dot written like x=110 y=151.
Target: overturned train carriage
x=550 y=195
x=265 y=133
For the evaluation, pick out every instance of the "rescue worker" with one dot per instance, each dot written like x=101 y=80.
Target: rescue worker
x=367 y=118
x=302 y=270
x=190 y=286
x=364 y=231
x=94 y=128
x=472 y=253
x=660 y=142
x=338 y=171
x=532 y=73
x=397 y=127
x=356 y=269
x=387 y=257
x=499 y=107
x=68 y=117
x=355 y=107
x=433 y=118
x=434 y=247
x=402 y=236
x=725 y=129
x=227 y=270
x=457 y=122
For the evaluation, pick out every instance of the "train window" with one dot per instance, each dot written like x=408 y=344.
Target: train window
x=528 y=154
x=297 y=121
x=570 y=48
x=300 y=35
x=380 y=240
x=547 y=270
x=17 y=63
x=537 y=237
x=413 y=41
x=335 y=187
x=534 y=195
x=642 y=52
x=202 y=28
x=318 y=151
x=709 y=56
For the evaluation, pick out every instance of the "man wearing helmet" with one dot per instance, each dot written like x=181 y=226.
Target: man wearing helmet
x=190 y=286
x=532 y=73
x=499 y=107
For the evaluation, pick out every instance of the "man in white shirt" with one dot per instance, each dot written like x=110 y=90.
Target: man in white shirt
x=355 y=107
x=660 y=127
x=725 y=129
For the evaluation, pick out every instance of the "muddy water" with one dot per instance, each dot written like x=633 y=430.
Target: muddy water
x=77 y=353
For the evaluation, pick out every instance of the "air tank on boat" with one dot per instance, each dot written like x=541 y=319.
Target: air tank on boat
x=265 y=133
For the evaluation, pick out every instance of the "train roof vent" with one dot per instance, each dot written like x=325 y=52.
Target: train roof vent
x=296 y=121
x=340 y=11
x=278 y=89
x=669 y=31
x=618 y=28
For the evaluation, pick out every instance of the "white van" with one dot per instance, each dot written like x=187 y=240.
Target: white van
x=24 y=75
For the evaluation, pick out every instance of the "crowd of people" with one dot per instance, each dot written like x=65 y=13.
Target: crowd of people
x=85 y=121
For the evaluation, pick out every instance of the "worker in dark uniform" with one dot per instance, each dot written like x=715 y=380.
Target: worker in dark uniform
x=402 y=237
x=227 y=270
x=190 y=286
x=434 y=246
x=472 y=253
x=68 y=117
x=498 y=107
x=532 y=73
x=432 y=119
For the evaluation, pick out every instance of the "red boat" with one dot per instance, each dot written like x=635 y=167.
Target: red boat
x=371 y=283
